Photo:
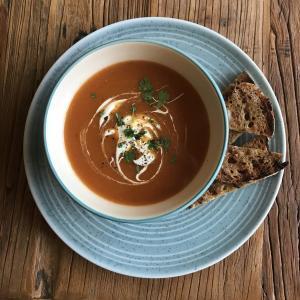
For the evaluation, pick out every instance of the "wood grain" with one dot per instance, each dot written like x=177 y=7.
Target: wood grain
x=34 y=263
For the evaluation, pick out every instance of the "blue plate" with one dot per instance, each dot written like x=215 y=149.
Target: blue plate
x=180 y=243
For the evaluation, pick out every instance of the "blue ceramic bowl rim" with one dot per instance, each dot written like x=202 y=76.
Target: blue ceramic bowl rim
x=220 y=160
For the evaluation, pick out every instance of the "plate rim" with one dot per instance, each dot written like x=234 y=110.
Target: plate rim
x=72 y=244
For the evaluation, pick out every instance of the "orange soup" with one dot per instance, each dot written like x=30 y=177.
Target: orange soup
x=136 y=133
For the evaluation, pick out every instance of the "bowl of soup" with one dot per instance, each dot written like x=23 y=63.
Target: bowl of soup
x=135 y=130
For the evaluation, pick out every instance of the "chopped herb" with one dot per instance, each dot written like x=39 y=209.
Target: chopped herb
x=152 y=145
x=129 y=132
x=146 y=88
x=173 y=159
x=145 y=85
x=119 y=120
x=93 y=95
x=164 y=143
x=129 y=156
x=138 y=169
x=148 y=96
x=163 y=98
x=161 y=142
x=133 y=108
x=138 y=135
x=121 y=144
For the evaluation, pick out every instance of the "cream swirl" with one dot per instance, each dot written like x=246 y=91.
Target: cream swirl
x=144 y=127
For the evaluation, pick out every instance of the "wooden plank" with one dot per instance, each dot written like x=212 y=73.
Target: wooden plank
x=34 y=263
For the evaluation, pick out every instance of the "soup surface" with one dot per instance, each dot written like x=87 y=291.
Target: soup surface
x=136 y=133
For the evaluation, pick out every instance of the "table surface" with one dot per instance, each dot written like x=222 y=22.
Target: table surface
x=34 y=262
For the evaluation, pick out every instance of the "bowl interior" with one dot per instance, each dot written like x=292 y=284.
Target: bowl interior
x=99 y=59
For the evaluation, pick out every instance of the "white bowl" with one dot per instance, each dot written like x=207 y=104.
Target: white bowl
x=99 y=59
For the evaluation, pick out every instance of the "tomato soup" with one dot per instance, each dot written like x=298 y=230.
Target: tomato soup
x=136 y=133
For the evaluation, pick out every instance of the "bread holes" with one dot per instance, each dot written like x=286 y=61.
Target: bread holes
x=232 y=160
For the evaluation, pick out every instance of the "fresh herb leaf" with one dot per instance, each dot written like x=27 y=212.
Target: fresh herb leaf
x=119 y=120
x=129 y=156
x=129 y=132
x=138 y=169
x=146 y=89
x=145 y=85
x=133 y=108
x=148 y=96
x=121 y=144
x=173 y=159
x=153 y=145
x=164 y=143
x=138 y=135
x=93 y=95
x=163 y=97
x=161 y=142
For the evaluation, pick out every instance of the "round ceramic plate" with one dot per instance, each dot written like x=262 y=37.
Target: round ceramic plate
x=182 y=242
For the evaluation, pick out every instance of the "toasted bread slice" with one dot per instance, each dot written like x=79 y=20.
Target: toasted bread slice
x=243 y=165
x=221 y=186
x=248 y=108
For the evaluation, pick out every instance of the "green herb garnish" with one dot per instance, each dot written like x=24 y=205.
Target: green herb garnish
x=93 y=95
x=121 y=144
x=152 y=145
x=146 y=89
x=129 y=156
x=129 y=132
x=138 y=135
x=133 y=108
x=150 y=96
x=119 y=120
x=161 y=142
x=164 y=143
x=163 y=98
x=145 y=85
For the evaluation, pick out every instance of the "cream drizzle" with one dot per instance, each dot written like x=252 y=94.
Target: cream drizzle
x=137 y=122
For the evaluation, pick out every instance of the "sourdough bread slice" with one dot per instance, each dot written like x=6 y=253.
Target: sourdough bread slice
x=243 y=165
x=249 y=110
x=220 y=188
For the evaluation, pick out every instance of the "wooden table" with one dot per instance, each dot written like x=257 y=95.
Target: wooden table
x=34 y=263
